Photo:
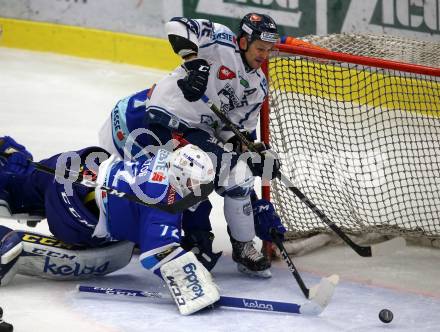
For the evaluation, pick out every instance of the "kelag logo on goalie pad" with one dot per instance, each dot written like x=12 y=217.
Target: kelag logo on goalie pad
x=75 y=269
x=193 y=282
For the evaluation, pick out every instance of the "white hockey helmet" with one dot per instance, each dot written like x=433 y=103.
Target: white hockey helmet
x=189 y=167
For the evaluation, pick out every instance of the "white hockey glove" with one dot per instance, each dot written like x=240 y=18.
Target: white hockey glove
x=190 y=283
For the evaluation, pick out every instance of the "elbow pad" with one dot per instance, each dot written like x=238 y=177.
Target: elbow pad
x=183 y=35
x=182 y=46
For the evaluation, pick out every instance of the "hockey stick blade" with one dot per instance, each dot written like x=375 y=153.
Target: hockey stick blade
x=321 y=294
x=309 y=308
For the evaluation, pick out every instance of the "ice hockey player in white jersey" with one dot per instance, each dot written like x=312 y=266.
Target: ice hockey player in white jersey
x=225 y=68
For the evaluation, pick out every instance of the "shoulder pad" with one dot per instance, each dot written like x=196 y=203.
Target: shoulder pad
x=189 y=23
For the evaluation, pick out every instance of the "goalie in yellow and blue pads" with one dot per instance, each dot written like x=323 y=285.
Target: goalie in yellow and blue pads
x=95 y=236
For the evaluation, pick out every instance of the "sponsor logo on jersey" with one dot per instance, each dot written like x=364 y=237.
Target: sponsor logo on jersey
x=116 y=120
x=257 y=305
x=225 y=36
x=160 y=168
x=193 y=282
x=75 y=269
x=157 y=177
x=243 y=82
x=120 y=135
x=224 y=73
x=144 y=168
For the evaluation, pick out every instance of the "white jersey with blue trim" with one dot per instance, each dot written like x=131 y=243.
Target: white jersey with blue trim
x=237 y=92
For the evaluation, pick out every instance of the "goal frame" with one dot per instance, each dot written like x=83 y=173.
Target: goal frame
x=327 y=55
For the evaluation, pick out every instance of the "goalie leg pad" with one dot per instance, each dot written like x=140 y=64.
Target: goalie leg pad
x=190 y=283
x=10 y=250
x=49 y=258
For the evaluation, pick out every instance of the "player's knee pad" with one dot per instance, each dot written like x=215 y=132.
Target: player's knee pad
x=10 y=249
x=190 y=283
x=50 y=258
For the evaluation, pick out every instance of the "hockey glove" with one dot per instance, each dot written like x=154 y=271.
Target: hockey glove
x=237 y=145
x=200 y=243
x=194 y=85
x=266 y=220
x=16 y=155
x=266 y=167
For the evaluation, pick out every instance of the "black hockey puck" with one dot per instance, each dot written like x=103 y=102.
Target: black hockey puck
x=6 y=327
x=386 y=316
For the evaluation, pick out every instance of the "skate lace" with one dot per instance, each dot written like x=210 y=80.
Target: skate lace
x=250 y=251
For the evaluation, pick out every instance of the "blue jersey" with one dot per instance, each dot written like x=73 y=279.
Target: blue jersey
x=132 y=128
x=155 y=231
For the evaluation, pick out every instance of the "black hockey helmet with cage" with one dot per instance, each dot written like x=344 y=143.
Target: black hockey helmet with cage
x=258 y=26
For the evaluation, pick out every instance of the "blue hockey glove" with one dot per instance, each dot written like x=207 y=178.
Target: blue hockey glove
x=16 y=157
x=266 y=220
x=194 y=85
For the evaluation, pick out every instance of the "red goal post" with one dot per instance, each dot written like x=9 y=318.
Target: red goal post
x=358 y=134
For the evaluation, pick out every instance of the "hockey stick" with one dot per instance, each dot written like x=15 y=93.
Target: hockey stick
x=321 y=292
x=364 y=251
x=178 y=207
x=308 y=308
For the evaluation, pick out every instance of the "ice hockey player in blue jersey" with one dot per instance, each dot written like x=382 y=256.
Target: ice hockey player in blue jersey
x=94 y=233
x=225 y=67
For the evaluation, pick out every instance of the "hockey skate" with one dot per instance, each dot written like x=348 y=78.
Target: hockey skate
x=249 y=260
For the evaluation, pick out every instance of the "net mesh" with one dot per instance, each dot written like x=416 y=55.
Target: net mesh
x=362 y=143
x=419 y=52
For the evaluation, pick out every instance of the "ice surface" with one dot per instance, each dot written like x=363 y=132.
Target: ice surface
x=55 y=103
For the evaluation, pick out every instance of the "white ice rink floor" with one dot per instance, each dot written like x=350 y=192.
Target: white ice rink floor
x=53 y=103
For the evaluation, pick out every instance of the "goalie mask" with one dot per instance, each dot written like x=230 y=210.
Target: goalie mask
x=189 y=168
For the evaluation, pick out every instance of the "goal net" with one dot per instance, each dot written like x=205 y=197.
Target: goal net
x=356 y=122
